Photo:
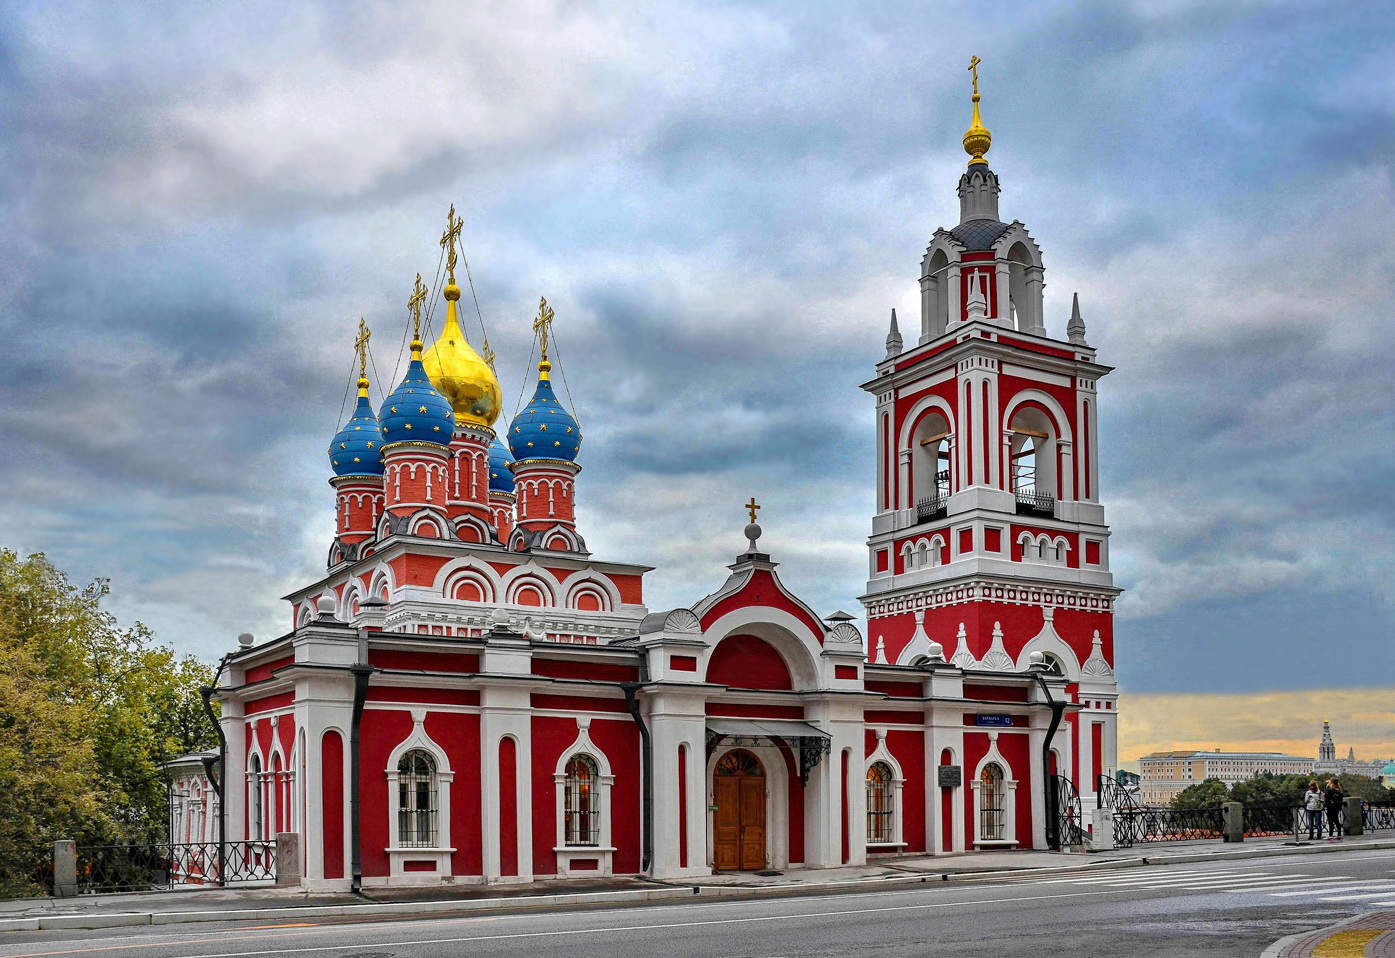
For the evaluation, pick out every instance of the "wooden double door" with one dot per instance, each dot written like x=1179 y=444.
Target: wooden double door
x=738 y=841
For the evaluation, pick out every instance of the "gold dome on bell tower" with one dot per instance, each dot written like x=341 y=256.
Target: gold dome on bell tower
x=456 y=370
x=977 y=139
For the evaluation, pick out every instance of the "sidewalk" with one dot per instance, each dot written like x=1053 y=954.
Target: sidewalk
x=268 y=903
x=1372 y=935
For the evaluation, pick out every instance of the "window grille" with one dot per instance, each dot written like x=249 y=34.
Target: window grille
x=416 y=800
x=990 y=803
x=881 y=805
x=583 y=801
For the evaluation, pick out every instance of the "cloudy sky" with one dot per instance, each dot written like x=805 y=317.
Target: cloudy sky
x=722 y=202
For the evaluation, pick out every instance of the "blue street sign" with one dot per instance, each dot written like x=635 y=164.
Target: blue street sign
x=994 y=719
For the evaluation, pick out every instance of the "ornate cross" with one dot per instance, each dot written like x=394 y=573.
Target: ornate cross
x=448 y=239
x=752 y=508
x=414 y=306
x=973 y=68
x=543 y=323
x=361 y=347
x=488 y=353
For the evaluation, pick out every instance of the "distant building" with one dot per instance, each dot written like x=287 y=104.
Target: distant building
x=1329 y=764
x=1387 y=775
x=1164 y=774
x=193 y=812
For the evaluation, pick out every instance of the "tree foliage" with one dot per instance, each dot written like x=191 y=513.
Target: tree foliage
x=88 y=712
x=1205 y=794
x=1270 y=789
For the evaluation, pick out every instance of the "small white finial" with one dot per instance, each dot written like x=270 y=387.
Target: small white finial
x=326 y=605
x=245 y=640
x=1075 y=329
x=894 y=343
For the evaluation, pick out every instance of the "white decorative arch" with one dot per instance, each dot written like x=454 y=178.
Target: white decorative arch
x=777 y=800
x=531 y=574
x=483 y=530
x=898 y=783
x=1009 y=799
x=786 y=634
x=305 y=614
x=381 y=580
x=581 y=579
x=468 y=569
x=1048 y=640
x=922 y=406
x=1061 y=421
x=602 y=851
x=441 y=852
x=920 y=644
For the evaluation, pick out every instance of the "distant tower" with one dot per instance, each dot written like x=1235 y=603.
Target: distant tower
x=356 y=456
x=544 y=439
x=1327 y=749
x=989 y=538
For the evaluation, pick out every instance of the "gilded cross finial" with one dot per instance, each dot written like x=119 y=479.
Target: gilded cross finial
x=448 y=240
x=542 y=324
x=973 y=68
x=489 y=353
x=977 y=139
x=361 y=347
x=414 y=305
x=752 y=508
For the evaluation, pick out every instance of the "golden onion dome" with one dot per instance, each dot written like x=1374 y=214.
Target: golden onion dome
x=459 y=373
x=977 y=139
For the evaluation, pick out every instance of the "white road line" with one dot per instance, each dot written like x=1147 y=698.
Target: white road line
x=1194 y=882
x=1217 y=885
x=1161 y=876
x=1349 y=886
x=1130 y=875
x=1316 y=884
x=1358 y=896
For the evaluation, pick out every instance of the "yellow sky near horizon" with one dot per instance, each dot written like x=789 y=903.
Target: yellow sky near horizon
x=1363 y=719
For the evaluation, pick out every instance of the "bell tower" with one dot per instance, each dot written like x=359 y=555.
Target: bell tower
x=989 y=538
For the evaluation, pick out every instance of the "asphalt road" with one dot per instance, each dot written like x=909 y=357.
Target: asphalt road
x=1236 y=908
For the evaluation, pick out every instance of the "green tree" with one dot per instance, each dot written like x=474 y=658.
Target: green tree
x=1205 y=794
x=1361 y=786
x=88 y=712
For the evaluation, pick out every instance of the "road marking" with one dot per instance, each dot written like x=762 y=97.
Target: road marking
x=1198 y=882
x=1349 y=886
x=1096 y=878
x=289 y=924
x=1358 y=895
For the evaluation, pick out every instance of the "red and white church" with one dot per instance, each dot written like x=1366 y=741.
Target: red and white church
x=469 y=695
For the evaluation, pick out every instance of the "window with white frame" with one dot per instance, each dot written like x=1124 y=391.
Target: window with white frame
x=881 y=804
x=582 y=812
x=416 y=800
x=991 y=794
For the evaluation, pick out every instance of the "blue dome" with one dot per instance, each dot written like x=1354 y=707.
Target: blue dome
x=544 y=430
x=500 y=468
x=416 y=411
x=356 y=450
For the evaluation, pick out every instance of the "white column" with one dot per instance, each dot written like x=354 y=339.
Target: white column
x=505 y=711
x=905 y=492
x=235 y=774
x=1066 y=491
x=993 y=470
x=1003 y=281
x=956 y=303
x=676 y=720
x=1037 y=772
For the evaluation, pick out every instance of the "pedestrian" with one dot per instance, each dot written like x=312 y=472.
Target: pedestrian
x=1312 y=804
x=1333 y=800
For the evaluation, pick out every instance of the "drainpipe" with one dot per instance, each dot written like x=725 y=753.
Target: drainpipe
x=360 y=670
x=206 y=693
x=646 y=761
x=1053 y=818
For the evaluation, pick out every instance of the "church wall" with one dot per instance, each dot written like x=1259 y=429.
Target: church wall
x=597 y=671
x=425 y=661
x=1077 y=627
x=388 y=727
x=796 y=804
x=332 y=803
x=459 y=734
x=746 y=662
x=268 y=703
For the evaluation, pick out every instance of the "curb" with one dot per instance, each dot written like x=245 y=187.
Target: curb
x=661 y=892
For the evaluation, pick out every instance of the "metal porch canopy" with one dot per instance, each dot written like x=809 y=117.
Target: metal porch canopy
x=809 y=742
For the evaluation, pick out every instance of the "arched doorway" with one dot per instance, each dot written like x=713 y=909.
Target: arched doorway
x=739 y=829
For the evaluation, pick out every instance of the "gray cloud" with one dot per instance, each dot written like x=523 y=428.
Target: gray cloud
x=723 y=204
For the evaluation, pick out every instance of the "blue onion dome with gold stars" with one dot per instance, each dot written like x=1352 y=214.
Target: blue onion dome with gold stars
x=500 y=468
x=415 y=411
x=357 y=448
x=544 y=429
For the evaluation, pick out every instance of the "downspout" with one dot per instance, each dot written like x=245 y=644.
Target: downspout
x=206 y=693
x=1053 y=818
x=360 y=670
x=646 y=764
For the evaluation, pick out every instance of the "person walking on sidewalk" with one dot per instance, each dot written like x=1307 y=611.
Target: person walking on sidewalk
x=1312 y=804
x=1333 y=799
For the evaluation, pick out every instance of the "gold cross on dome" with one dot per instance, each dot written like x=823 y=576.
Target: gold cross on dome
x=752 y=508
x=414 y=305
x=973 y=68
x=448 y=240
x=543 y=323
x=488 y=353
x=361 y=347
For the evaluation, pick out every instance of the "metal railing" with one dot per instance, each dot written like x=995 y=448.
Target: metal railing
x=1033 y=503
x=1143 y=824
x=162 y=865
x=933 y=507
x=1270 y=820
x=1378 y=816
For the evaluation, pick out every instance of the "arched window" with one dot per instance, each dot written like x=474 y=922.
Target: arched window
x=416 y=800
x=990 y=803
x=1033 y=461
x=930 y=463
x=1053 y=664
x=881 y=805
x=256 y=810
x=583 y=801
x=935 y=296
